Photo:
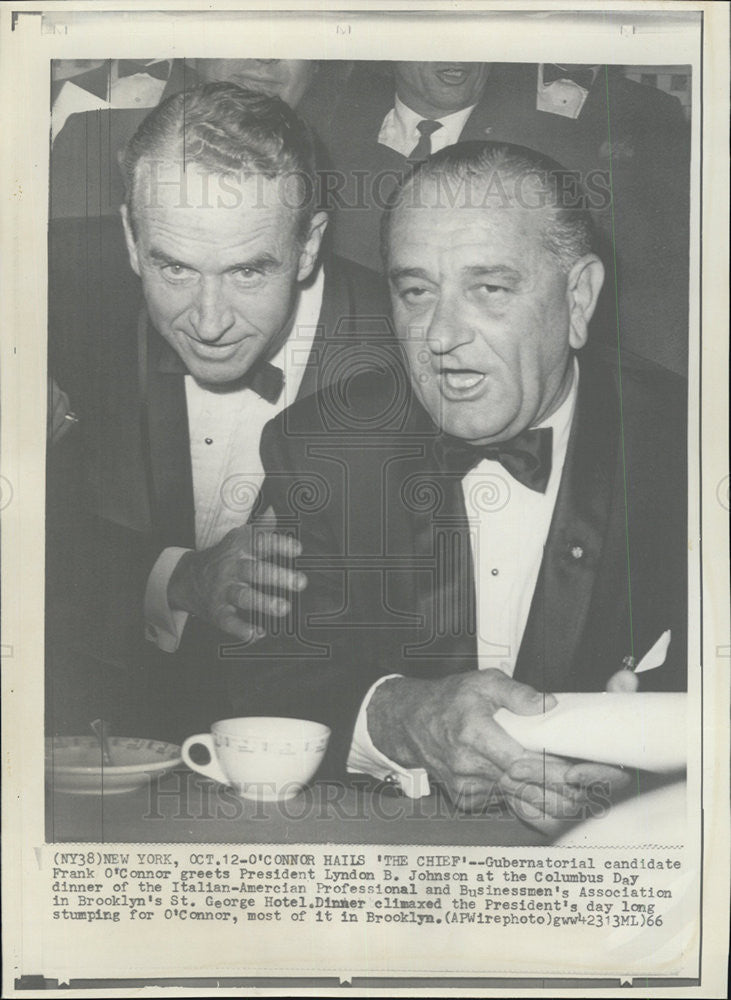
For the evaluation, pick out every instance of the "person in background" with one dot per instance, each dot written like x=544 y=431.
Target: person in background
x=96 y=85
x=379 y=125
x=288 y=79
x=94 y=116
x=629 y=143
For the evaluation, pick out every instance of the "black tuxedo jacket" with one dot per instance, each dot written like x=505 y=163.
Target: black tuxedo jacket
x=630 y=146
x=120 y=484
x=353 y=474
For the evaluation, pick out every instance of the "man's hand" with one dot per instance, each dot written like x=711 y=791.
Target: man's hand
x=623 y=681
x=446 y=726
x=232 y=577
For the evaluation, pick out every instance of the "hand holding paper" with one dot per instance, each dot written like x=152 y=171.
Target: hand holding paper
x=643 y=730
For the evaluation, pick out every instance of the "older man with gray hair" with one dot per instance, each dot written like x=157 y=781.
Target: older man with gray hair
x=176 y=345
x=503 y=519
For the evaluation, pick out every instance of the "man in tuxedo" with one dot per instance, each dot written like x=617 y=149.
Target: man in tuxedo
x=112 y=83
x=629 y=143
x=504 y=519
x=94 y=116
x=174 y=367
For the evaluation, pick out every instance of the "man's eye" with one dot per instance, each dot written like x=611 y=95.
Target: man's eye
x=493 y=289
x=246 y=274
x=414 y=293
x=176 y=272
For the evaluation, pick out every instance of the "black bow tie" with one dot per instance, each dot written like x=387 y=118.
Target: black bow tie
x=158 y=70
x=94 y=81
x=526 y=457
x=583 y=76
x=266 y=380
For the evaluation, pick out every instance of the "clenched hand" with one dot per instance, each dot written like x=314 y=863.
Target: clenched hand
x=231 y=582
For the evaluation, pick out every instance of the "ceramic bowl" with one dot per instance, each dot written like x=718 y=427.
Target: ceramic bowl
x=74 y=764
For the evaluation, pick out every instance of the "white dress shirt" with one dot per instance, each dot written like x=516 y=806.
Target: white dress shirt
x=399 y=130
x=562 y=97
x=509 y=526
x=225 y=431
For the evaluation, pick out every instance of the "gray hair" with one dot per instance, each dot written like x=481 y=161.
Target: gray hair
x=569 y=232
x=226 y=129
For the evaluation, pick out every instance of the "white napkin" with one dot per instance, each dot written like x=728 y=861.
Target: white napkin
x=641 y=729
x=655 y=657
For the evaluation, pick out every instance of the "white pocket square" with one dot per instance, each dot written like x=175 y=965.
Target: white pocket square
x=655 y=657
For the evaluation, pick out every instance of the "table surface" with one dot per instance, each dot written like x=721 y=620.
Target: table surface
x=185 y=807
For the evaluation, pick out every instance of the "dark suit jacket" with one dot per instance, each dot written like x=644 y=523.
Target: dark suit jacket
x=85 y=179
x=630 y=141
x=120 y=485
x=355 y=477
x=85 y=176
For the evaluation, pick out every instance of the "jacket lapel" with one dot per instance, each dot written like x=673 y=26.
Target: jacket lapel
x=575 y=547
x=164 y=424
x=428 y=531
x=337 y=302
x=353 y=330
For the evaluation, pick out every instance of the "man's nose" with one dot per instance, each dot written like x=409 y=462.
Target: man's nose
x=448 y=328
x=211 y=314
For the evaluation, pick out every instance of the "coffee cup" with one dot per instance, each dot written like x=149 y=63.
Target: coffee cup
x=268 y=759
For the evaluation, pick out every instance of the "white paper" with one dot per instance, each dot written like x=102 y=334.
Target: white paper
x=643 y=730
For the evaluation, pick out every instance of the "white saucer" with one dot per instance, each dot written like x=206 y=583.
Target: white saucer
x=74 y=764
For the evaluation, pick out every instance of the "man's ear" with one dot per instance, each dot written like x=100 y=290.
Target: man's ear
x=583 y=286
x=312 y=244
x=129 y=239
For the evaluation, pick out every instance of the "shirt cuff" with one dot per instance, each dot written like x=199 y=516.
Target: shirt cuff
x=365 y=758
x=163 y=626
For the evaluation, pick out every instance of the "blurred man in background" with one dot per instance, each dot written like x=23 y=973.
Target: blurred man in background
x=629 y=144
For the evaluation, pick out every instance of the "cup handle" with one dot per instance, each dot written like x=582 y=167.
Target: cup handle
x=210 y=770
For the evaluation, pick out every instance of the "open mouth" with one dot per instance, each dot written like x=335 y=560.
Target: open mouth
x=463 y=382
x=452 y=76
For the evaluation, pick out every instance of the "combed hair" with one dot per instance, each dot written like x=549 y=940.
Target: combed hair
x=225 y=129
x=569 y=232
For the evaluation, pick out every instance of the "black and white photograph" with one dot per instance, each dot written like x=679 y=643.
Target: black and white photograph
x=370 y=512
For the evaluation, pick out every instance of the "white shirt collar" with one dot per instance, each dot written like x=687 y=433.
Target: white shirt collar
x=399 y=130
x=451 y=123
x=294 y=353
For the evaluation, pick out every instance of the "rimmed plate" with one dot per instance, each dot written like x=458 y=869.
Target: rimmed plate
x=74 y=764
